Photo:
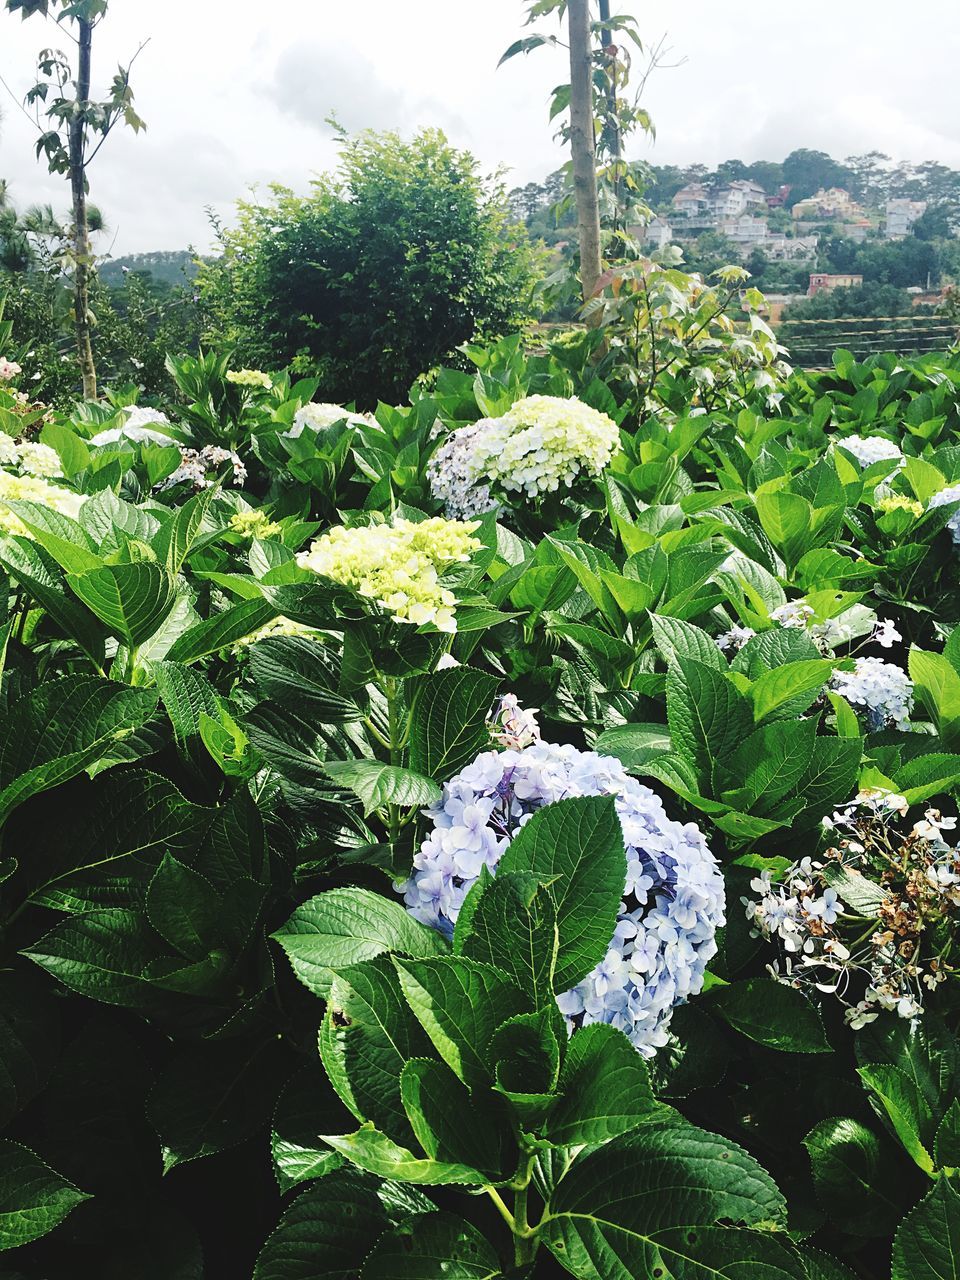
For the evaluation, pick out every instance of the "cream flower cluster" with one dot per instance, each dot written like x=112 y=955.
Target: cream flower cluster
x=870 y=449
x=253 y=524
x=136 y=427
x=542 y=444
x=320 y=417
x=397 y=565
x=29 y=457
x=250 y=378
x=32 y=489
x=8 y=369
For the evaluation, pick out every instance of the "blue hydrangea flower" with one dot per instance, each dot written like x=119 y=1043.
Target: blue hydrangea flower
x=673 y=898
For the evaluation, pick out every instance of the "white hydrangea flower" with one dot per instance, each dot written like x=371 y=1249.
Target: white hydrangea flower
x=943 y=499
x=136 y=427
x=884 y=690
x=33 y=489
x=870 y=449
x=540 y=445
x=320 y=417
x=673 y=900
x=38 y=459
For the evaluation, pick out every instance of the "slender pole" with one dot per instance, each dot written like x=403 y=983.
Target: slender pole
x=583 y=148
x=81 y=235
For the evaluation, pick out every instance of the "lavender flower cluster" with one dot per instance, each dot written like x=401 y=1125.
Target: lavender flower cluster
x=673 y=898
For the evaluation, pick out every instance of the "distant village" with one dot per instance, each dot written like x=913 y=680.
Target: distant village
x=740 y=210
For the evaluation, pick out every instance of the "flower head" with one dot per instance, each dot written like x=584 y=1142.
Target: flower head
x=320 y=417
x=870 y=449
x=32 y=489
x=884 y=690
x=250 y=378
x=397 y=565
x=673 y=899
x=8 y=369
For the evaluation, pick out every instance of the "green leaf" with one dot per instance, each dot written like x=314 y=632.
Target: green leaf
x=708 y=717
x=326 y=1233
x=367 y=1036
x=927 y=1243
x=306 y=1107
x=786 y=692
x=677 y=639
x=514 y=927
x=60 y=536
x=906 y=1108
x=460 y=1003
x=34 y=1200
x=576 y=848
x=854 y=1182
x=222 y=630
x=433 y=1246
x=132 y=600
x=184 y=908
x=437 y=1102
x=62 y=727
x=373 y=1151
x=605 y=1089
x=104 y=955
x=213 y=1097
x=29 y=1038
x=292 y=670
x=448 y=721
x=937 y=685
x=947 y=1143
x=769 y=764
x=40 y=576
x=186 y=696
x=786 y=520
x=635 y=744
x=378 y=785
x=347 y=926
x=613 y=1215
x=772 y=1014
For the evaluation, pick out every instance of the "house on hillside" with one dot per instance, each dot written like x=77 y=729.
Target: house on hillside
x=901 y=214
x=691 y=200
x=745 y=229
x=833 y=205
x=821 y=281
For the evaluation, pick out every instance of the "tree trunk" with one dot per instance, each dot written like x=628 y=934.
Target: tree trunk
x=583 y=148
x=83 y=255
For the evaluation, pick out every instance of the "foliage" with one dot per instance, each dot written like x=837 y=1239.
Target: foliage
x=410 y=229
x=221 y=731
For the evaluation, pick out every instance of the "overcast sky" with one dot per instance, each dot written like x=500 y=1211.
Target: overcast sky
x=235 y=93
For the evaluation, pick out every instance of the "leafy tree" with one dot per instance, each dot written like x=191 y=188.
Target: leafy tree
x=377 y=275
x=807 y=171
x=69 y=120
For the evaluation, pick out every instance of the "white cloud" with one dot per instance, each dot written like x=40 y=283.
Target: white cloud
x=234 y=102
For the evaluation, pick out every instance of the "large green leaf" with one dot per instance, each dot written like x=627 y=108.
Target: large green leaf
x=854 y=1179
x=373 y=1151
x=33 y=1198
x=786 y=692
x=707 y=715
x=326 y=1233
x=460 y=1003
x=346 y=926
x=367 y=1036
x=294 y=671
x=434 y=1246
x=650 y=1203
x=29 y=1038
x=307 y=1107
x=772 y=1014
x=377 y=785
x=222 y=630
x=927 y=1244
x=214 y=1096
x=62 y=727
x=436 y=1103
x=104 y=955
x=513 y=926
x=605 y=1089
x=448 y=722
x=576 y=848
x=901 y=1100
x=131 y=600
x=40 y=577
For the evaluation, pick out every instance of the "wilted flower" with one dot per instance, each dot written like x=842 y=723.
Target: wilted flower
x=200 y=467
x=397 y=565
x=512 y=726
x=673 y=899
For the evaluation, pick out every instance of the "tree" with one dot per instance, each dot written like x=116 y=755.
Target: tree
x=806 y=171
x=69 y=121
x=377 y=275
